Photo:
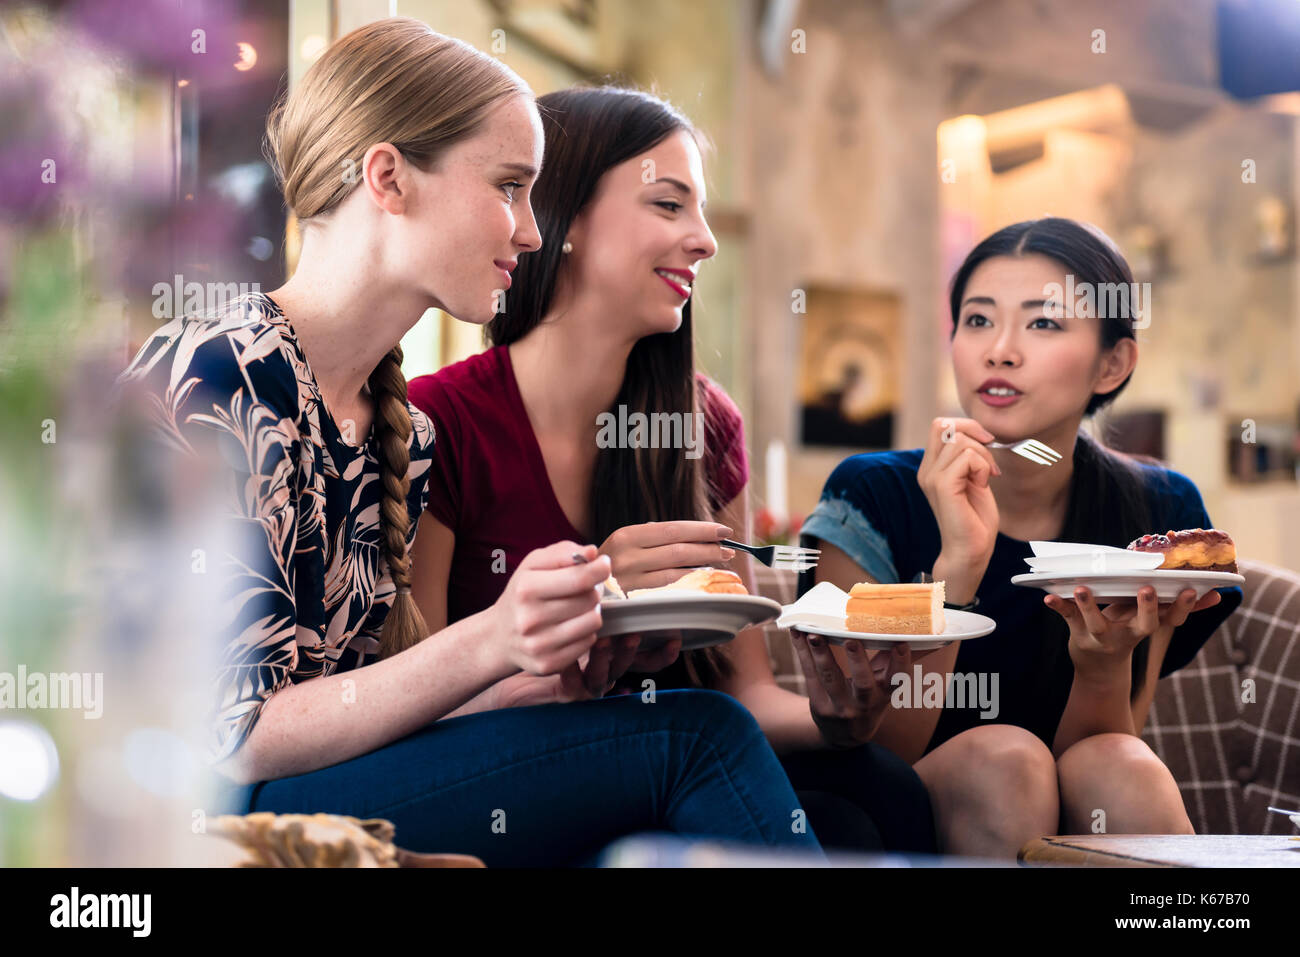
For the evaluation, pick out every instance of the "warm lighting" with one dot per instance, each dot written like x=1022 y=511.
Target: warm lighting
x=1101 y=109
x=29 y=762
x=312 y=47
x=962 y=133
x=182 y=82
x=247 y=57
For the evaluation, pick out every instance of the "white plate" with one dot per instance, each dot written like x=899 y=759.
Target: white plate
x=958 y=626
x=697 y=618
x=1109 y=586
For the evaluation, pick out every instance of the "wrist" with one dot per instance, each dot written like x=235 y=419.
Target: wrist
x=486 y=647
x=1103 y=673
x=961 y=578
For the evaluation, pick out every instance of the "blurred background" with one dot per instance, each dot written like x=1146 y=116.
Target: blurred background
x=861 y=149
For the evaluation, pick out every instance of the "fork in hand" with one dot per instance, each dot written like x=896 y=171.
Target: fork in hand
x=790 y=557
x=1030 y=449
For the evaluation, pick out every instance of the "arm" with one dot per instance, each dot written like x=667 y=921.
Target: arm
x=431 y=555
x=783 y=715
x=1101 y=649
x=1141 y=706
x=905 y=731
x=307 y=726
x=544 y=621
x=1098 y=704
x=1095 y=707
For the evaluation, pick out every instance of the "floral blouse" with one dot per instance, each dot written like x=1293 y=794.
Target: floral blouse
x=303 y=579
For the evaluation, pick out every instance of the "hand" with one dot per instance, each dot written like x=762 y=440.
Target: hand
x=589 y=677
x=658 y=553
x=848 y=708
x=1102 y=637
x=549 y=613
x=954 y=475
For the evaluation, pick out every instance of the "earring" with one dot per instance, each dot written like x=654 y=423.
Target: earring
x=567 y=247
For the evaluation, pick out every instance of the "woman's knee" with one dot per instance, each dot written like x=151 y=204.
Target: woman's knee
x=1004 y=758
x=713 y=714
x=1118 y=777
x=1113 y=755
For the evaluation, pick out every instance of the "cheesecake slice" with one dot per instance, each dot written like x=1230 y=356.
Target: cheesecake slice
x=714 y=581
x=1193 y=549
x=905 y=609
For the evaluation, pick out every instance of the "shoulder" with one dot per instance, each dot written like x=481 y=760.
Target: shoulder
x=1174 y=498
x=722 y=415
x=718 y=407
x=1166 y=482
x=1168 y=486
x=234 y=355
x=476 y=386
x=860 y=471
x=482 y=372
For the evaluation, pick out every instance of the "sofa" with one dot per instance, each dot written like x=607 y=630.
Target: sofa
x=1227 y=725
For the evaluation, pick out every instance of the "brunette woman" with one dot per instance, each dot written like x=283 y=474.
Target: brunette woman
x=1074 y=681
x=597 y=327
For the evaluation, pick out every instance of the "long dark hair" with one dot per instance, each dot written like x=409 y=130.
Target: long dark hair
x=1108 y=502
x=588 y=131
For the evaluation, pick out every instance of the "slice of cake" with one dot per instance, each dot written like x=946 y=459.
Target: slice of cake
x=715 y=581
x=1193 y=549
x=906 y=609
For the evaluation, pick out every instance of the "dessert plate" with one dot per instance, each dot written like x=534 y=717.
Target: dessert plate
x=1124 y=585
x=959 y=626
x=697 y=618
x=821 y=612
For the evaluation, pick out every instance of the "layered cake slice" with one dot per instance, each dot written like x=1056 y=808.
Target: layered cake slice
x=905 y=609
x=1193 y=549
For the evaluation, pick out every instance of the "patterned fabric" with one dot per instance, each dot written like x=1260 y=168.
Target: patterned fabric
x=1231 y=758
x=302 y=574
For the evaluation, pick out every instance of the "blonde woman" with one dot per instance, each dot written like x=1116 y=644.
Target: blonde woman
x=408 y=157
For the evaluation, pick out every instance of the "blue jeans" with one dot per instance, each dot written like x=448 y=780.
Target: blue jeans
x=553 y=784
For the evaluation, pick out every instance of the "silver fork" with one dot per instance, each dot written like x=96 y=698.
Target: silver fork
x=792 y=557
x=1030 y=449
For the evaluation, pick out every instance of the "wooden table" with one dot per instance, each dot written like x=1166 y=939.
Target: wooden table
x=1165 y=850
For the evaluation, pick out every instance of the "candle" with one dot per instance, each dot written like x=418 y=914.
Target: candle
x=776 y=478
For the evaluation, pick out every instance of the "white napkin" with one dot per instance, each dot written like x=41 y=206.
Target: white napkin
x=823 y=607
x=1070 y=558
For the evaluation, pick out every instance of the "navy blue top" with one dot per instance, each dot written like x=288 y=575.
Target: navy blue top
x=873 y=509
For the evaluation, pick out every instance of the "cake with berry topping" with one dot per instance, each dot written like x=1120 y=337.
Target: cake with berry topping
x=1192 y=549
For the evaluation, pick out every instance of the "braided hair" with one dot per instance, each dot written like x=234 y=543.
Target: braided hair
x=404 y=626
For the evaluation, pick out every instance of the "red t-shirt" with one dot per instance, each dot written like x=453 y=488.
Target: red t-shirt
x=488 y=481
